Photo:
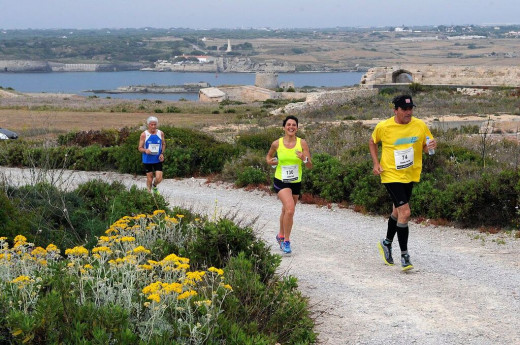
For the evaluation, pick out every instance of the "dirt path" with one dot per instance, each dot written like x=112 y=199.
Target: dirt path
x=465 y=288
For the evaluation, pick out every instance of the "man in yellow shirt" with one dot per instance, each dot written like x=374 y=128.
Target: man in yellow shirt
x=403 y=139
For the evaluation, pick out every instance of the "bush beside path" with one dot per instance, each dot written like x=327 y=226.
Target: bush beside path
x=465 y=288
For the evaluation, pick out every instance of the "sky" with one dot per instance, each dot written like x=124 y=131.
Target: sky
x=209 y=14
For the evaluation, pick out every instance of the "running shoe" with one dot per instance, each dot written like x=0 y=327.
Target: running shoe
x=406 y=263
x=155 y=191
x=279 y=240
x=386 y=252
x=286 y=247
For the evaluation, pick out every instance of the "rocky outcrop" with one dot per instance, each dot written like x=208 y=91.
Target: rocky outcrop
x=317 y=100
x=24 y=66
x=229 y=64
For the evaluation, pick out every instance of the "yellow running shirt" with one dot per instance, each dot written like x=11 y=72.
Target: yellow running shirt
x=289 y=168
x=401 y=156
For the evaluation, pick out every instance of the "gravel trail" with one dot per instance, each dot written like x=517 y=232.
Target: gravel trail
x=464 y=289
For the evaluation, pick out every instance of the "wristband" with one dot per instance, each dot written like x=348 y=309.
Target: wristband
x=306 y=160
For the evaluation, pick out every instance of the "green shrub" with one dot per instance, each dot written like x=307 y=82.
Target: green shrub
x=251 y=176
x=259 y=140
x=254 y=307
x=172 y=109
x=325 y=178
x=217 y=242
x=249 y=168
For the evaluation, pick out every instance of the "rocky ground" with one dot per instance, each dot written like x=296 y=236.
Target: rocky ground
x=464 y=289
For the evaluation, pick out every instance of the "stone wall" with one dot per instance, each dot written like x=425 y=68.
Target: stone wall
x=443 y=75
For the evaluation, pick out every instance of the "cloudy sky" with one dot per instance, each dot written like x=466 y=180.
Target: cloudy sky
x=206 y=14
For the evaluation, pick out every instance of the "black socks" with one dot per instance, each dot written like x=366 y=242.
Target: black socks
x=402 y=236
x=392 y=229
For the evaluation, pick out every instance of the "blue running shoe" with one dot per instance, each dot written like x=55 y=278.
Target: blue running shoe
x=279 y=240
x=405 y=262
x=386 y=252
x=286 y=247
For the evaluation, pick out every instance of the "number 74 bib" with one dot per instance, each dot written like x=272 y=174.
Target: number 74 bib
x=403 y=158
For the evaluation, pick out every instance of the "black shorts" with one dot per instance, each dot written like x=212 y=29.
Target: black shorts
x=153 y=167
x=295 y=187
x=399 y=192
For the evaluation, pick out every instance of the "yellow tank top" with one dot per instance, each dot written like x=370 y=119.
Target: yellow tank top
x=289 y=168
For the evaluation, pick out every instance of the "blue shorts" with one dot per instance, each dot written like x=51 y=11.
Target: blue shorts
x=295 y=187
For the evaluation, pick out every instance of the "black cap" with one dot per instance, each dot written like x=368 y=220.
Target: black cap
x=403 y=101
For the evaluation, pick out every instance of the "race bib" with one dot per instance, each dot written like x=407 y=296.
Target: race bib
x=154 y=148
x=403 y=158
x=290 y=173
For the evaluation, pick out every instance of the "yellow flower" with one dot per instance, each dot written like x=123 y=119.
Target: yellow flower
x=88 y=266
x=206 y=302
x=52 y=248
x=171 y=219
x=216 y=270
x=146 y=267
x=3 y=238
x=180 y=216
x=21 y=280
x=187 y=294
x=227 y=286
x=172 y=287
x=5 y=257
x=20 y=238
x=39 y=251
x=102 y=249
x=127 y=239
x=141 y=249
x=77 y=251
x=196 y=276
x=152 y=288
x=156 y=212
x=155 y=297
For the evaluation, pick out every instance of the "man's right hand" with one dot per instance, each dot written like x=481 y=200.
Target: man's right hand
x=377 y=170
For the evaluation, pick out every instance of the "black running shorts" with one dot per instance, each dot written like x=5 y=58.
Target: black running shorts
x=399 y=192
x=295 y=187
x=153 y=167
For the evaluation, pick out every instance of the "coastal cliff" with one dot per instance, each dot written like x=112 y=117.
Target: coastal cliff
x=20 y=66
x=218 y=65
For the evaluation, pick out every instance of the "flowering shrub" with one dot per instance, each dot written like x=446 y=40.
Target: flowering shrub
x=159 y=297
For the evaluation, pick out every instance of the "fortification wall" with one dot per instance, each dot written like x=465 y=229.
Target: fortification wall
x=443 y=75
x=73 y=67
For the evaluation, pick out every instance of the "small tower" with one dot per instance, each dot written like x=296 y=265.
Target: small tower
x=266 y=80
x=228 y=46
